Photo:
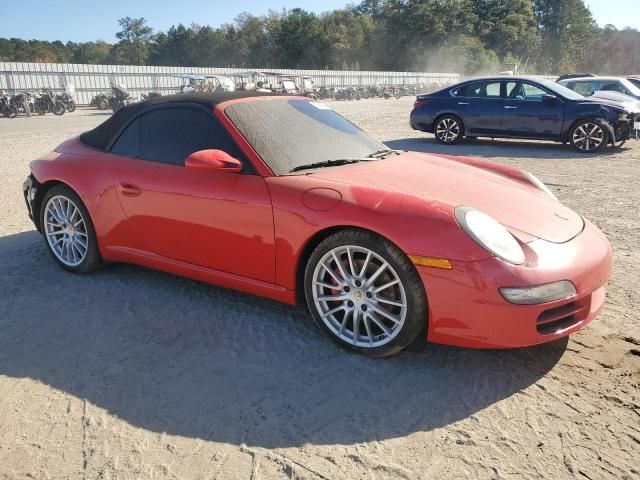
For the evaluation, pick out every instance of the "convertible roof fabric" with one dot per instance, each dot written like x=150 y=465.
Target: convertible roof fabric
x=100 y=136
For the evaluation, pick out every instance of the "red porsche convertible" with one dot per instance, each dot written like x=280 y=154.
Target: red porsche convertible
x=281 y=197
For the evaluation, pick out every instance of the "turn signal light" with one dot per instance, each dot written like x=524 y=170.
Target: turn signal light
x=431 y=262
x=421 y=103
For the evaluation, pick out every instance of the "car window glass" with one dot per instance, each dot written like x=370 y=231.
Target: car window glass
x=514 y=90
x=127 y=143
x=532 y=93
x=613 y=86
x=583 y=88
x=483 y=90
x=170 y=135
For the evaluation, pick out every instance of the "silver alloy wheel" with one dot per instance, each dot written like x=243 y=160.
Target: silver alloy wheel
x=66 y=230
x=588 y=136
x=359 y=296
x=447 y=130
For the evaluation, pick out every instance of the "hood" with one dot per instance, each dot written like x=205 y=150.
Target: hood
x=615 y=99
x=432 y=178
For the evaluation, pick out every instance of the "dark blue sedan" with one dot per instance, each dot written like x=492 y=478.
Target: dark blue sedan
x=526 y=108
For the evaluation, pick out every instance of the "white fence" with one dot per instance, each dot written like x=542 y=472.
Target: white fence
x=89 y=80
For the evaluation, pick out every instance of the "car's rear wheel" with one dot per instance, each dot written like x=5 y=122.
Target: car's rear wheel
x=68 y=230
x=588 y=136
x=448 y=129
x=365 y=293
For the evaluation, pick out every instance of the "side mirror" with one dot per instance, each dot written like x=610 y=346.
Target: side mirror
x=549 y=98
x=214 y=161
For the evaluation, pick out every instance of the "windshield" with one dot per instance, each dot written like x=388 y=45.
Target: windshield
x=289 y=133
x=561 y=90
x=635 y=91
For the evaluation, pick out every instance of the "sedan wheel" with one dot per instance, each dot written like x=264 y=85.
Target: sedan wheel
x=588 y=136
x=362 y=295
x=68 y=231
x=448 y=130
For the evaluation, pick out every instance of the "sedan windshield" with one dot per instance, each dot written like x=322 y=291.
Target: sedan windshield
x=561 y=90
x=291 y=133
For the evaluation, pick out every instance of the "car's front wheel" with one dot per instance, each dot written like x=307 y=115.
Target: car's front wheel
x=365 y=293
x=588 y=136
x=68 y=230
x=448 y=129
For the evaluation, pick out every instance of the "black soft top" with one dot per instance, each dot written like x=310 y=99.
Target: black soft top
x=102 y=135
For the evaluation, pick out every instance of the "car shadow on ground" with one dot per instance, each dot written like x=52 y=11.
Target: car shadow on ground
x=498 y=148
x=172 y=355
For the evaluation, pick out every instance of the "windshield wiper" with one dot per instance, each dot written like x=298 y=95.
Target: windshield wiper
x=382 y=153
x=329 y=163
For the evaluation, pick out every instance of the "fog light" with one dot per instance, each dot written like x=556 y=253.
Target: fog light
x=538 y=293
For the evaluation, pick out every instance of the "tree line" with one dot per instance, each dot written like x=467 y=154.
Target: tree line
x=467 y=36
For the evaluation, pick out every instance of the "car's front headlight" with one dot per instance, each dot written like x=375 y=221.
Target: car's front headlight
x=539 y=184
x=490 y=235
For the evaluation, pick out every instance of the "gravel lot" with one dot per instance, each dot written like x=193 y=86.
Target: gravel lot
x=130 y=373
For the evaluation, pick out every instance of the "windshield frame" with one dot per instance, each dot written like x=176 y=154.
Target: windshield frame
x=224 y=109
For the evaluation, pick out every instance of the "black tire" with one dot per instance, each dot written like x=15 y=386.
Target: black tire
x=71 y=107
x=11 y=112
x=58 y=108
x=92 y=259
x=589 y=136
x=448 y=129
x=415 y=319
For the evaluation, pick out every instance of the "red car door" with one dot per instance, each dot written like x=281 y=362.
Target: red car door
x=222 y=221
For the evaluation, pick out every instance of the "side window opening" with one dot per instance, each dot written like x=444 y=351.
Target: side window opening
x=532 y=93
x=170 y=134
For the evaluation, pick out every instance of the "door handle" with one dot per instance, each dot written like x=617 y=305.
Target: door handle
x=510 y=107
x=463 y=103
x=129 y=189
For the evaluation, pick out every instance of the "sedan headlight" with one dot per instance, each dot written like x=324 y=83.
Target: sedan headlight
x=490 y=235
x=539 y=184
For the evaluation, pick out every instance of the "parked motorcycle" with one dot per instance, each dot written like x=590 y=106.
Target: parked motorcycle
x=7 y=110
x=23 y=103
x=47 y=102
x=102 y=101
x=389 y=91
x=121 y=97
x=68 y=102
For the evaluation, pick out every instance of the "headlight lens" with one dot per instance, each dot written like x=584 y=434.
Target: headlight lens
x=490 y=235
x=539 y=184
x=539 y=293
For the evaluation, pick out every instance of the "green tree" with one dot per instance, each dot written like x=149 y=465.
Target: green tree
x=135 y=37
x=507 y=27
x=567 y=32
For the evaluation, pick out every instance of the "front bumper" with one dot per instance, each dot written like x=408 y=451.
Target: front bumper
x=466 y=308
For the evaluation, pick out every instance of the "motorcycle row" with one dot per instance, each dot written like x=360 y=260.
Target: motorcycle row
x=373 y=91
x=44 y=102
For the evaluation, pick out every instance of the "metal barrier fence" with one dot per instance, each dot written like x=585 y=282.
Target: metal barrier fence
x=90 y=80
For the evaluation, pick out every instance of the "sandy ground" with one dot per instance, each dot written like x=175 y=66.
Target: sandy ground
x=130 y=373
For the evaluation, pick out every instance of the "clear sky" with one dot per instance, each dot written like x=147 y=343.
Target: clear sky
x=621 y=13
x=83 y=20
